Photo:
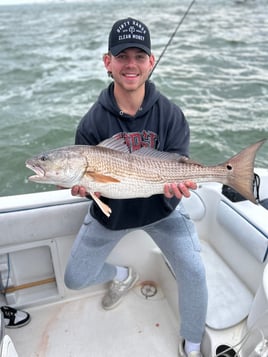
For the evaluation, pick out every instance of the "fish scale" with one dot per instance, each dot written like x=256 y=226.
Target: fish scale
x=154 y=170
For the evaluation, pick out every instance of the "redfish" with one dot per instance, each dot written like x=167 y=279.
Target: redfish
x=109 y=168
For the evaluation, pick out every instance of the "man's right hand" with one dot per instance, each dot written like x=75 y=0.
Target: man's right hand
x=82 y=192
x=79 y=191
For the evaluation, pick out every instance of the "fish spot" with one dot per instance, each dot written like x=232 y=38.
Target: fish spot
x=229 y=167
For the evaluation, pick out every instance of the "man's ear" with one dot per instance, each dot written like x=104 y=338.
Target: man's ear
x=152 y=61
x=107 y=61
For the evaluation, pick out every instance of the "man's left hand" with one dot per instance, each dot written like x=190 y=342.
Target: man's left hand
x=179 y=190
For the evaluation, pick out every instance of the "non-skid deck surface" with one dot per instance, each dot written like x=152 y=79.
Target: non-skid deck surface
x=81 y=328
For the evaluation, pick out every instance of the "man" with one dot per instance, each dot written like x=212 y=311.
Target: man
x=132 y=108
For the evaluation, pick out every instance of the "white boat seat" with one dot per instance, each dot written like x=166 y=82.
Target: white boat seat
x=25 y=229
x=228 y=296
x=251 y=235
x=7 y=348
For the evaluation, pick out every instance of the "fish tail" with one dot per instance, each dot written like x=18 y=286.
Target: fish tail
x=240 y=170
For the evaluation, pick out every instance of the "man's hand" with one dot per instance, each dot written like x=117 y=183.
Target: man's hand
x=79 y=191
x=82 y=192
x=179 y=190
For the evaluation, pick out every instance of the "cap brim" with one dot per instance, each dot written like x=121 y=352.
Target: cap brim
x=119 y=48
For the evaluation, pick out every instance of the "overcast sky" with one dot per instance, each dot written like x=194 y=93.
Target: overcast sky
x=14 y=2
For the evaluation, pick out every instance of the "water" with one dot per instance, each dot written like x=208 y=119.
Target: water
x=51 y=72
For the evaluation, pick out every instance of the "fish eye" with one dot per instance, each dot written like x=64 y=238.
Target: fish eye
x=44 y=158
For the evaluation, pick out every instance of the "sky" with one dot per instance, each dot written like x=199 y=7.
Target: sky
x=16 y=2
x=13 y=2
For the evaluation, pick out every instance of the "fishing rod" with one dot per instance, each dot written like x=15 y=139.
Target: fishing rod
x=172 y=36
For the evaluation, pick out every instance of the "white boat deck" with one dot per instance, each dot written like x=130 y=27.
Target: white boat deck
x=69 y=323
x=81 y=328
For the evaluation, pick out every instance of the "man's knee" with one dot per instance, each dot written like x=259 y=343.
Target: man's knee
x=74 y=280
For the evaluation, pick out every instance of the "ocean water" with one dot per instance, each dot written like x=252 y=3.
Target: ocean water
x=51 y=72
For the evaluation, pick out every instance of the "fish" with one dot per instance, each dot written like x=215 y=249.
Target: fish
x=110 y=169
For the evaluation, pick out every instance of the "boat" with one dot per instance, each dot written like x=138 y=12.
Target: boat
x=37 y=232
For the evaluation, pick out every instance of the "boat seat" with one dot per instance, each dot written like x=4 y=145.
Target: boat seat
x=228 y=296
x=7 y=348
x=240 y=228
x=247 y=230
x=26 y=230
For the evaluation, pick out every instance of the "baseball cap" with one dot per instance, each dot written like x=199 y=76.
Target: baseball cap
x=128 y=33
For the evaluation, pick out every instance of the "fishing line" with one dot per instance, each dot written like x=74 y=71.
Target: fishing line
x=172 y=36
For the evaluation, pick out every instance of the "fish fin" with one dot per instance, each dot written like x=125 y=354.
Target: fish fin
x=160 y=155
x=187 y=160
x=104 y=208
x=115 y=144
x=240 y=170
x=150 y=152
x=100 y=177
x=120 y=145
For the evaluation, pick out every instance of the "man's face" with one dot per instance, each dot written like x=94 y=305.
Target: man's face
x=130 y=68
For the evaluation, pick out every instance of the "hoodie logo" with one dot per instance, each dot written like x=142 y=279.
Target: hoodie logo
x=137 y=140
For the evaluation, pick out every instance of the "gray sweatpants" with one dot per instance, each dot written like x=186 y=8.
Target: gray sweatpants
x=175 y=235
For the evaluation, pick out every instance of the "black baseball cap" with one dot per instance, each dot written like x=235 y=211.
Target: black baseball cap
x=128 y=33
